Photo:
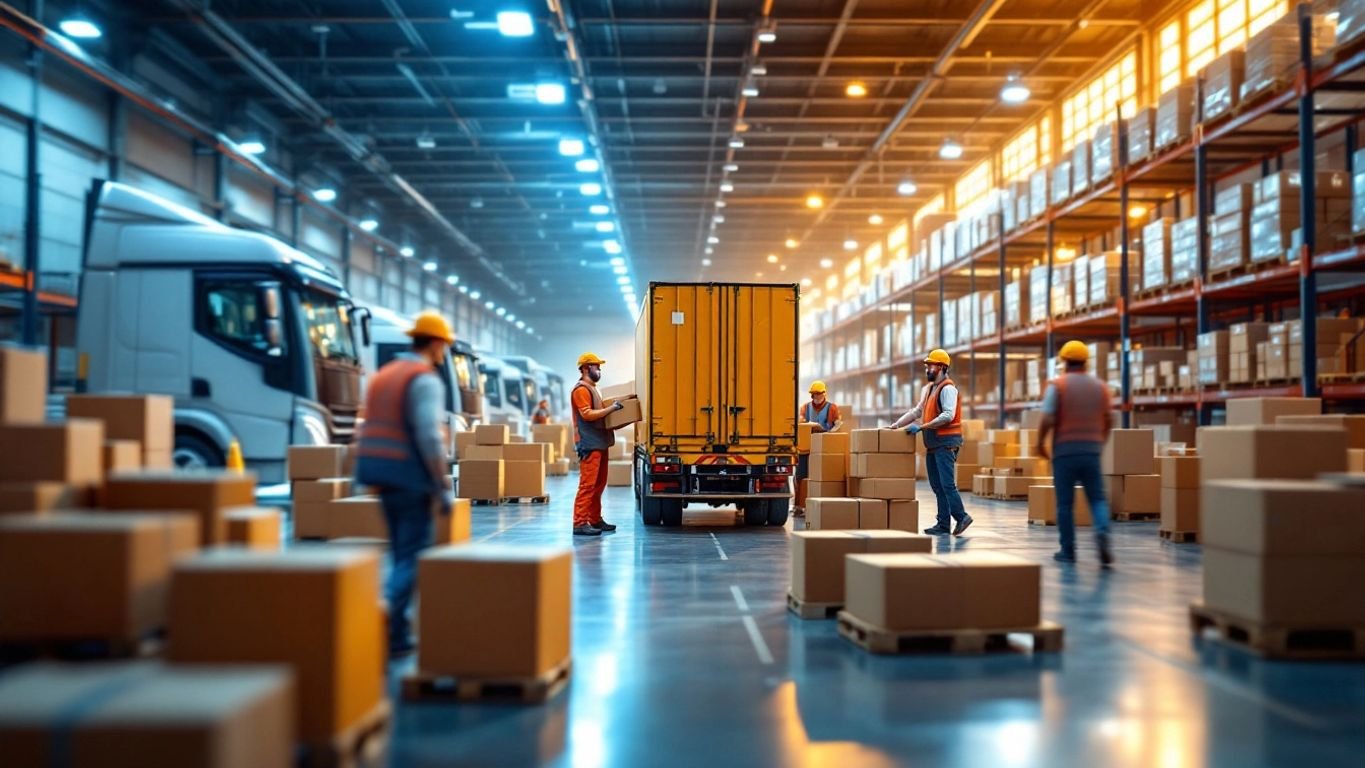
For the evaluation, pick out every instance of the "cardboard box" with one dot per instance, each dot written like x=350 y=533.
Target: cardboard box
x=824 y=514
x=1133 y=494
x=883 y=465
x=630 y=413
x=620 y=474
x=523 y=479
x=44 y=497
x=864 y=440
x=1284 y=517
x=1355 y=460
x=314 y=462
x=324 y=489
x=121 y=455
x=1017 y=486
x=557 y=468
x=1129 y=452
x=255 y=527
x=983 y=590
x=313 y=608
x=463 y=442
x=1179 y=471
x=527 y=452
x=1293 y=590
x=1353 y=424
x=1002 y=436
x=826 y=467
x=482 y=479
x=64 y=453
x=73 y=576
x=23 y=386
x=207 y=494
x=148 y=419
x=1280 y=451
x=889 y=488
x=516 y=439
x=148 y=714
x=828 y=489
x=829 y=443
x=557 y=435
x=817 y=562
x=1042 y=505
x=903 y=515
x=1249 y=411
x=804 y=430
x=872 y=514
x=619 y=450
x=486 y=452
x=515 y=625
x=1180 y=509
x=357 y=517
x=965 y=473
x=491 y=434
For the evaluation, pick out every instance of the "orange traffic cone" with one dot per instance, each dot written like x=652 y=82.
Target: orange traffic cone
x=234 y=458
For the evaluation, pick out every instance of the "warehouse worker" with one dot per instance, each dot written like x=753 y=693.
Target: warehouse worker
x=591 y=440
x=400 y=452
x=939 y=417
x=824 y=416
x=1076 y=413
x=542 y=414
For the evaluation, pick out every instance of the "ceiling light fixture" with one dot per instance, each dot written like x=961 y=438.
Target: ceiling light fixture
x=324 y=195
x=806 y=281
x=80 y=27
x=726 y=186
x=515 y=24
x=489 y=305
x=713 y=239
x=1014 y=92
x=710 y=250
x=588 y=165
x=590 y=189
x=599 y=210
x=430 y=266
x=620 y=271
x=618 y=262
x=772 y=258
x=749 y=91
x=950 y=150
x=829 y=142
x=814 y=201
x=730 y=167
x=791 y=243
x=550 y=93
x=252 y=146
x=571 y=147
x=906 y=188
x=475 y=295
x=767 y=33
x=369 y=225
x=500 y=311
x=720 y=203
x=511 y=318
x=736 y=143
x=452 y=279
x=741 y=127
x=850 y=244
x=875 y=219
x=407 y=252
x=706 y=262
x=759 y=70
x=521 y=324
x=623 y=280
x=826 y=263
x=659 y=87
x=606 y=226
x=718 y=219
x=855 y=90
x=611 y=246
x=426 y=141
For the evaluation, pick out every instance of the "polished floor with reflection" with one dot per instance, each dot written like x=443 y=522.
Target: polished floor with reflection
x=685 y=655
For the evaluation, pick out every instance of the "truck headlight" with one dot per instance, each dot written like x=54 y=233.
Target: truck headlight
x=314 y=429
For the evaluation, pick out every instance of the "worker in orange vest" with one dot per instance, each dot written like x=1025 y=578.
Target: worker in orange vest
x=399 y=450
x=591 y=440
x=1076 y=413
x=939 y=417
x=824 y=416
x=542 y=414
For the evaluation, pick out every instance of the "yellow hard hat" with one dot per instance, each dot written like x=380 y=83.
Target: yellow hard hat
x=817 y=387
x=589 y=358
x=1074 y=352
x=940 y=357
x=432 y=325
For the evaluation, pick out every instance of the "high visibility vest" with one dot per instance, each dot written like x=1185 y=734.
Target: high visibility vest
x=1082 y=401
x=386 y=453
x=822 y=416
x=591 y=435
x=933 y=436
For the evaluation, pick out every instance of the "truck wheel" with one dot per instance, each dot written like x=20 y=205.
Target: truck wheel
x=777 y=511
x=671 y=512
x=755 y=512
x=194 y=452
x=651 y=510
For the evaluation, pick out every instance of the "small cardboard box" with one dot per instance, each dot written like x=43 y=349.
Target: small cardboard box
x=557 y=468
x=527 y=452
x=1133 y=494
x=817 y=563
x=1180 y=509
x=1004 y=590
x=556 y=435
x=255 y=527
x=1284 y=517
x=148 y=419
x=630 y=413
x=863 y=440
x=23 y=386
x=207 y=494
x=314 y=462
x=463 y=442
x=965 y=473
x=515 y=439
x=989 y=453
x=515 y=625
x=1353 y=424
x=827 y=489
x=63 y=453
x=121 y=455
x=825 y=514
x=1042 y=505
x=313 y=608
x=872 y=514
x=829 y=443
x=888 y=488
x=1293 y=590
x=1002 y=436
x=903 y=515
x=804 y=430
x=357 y=517
x=1250 y=411
x=486 y=452
x=309 y=519
x=326 y=489
x=1280 y=451
x=1355 y=460
x=1129 y=452
x=73 y=576
x=1179 y=472
x=208 y=717
x=827 y=467
x=482 y=479
x=883 y=465
x=896 y=441
x=491 y=434
x=620 y=474
x=523 y=479
x=886 y=590
x=1017 y=486
x=44 y=496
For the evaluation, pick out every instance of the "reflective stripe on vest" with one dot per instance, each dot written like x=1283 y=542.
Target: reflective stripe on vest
x=591 y=435
x=931 y=411
x=1082 y=401
x=386 y=454
x=822 y=416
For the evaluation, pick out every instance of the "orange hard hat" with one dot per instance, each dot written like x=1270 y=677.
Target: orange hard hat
x=589 y=358
x=433 y=325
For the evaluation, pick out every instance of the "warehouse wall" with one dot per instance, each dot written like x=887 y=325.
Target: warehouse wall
x=613 y=340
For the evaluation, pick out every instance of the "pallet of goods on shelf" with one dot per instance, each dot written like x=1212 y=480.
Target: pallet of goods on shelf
x=1275 y=217
x=1040 y=192
x=1184 y=251
x=1223 y=84
x=1080 y=167
x=1080 y=283
x=1174 y=116
x=1228 y=229
x=1156 y=254
x=1358 y=191
x=1244 y=340
x=1213 y=349
x=1103 y=283
x=1016 y=304
x=1037 y=294
x=1061 y=183
x=1061 y=289
x=1141 y=131
x=1104 y=154
x=1272 y=55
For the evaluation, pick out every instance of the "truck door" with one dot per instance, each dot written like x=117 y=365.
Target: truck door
x=685 y=377
x=759 y=359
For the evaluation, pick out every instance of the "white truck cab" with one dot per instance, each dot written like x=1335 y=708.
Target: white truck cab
x=505 y=388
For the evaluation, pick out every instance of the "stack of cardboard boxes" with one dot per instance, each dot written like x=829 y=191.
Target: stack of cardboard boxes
x=1223 y=84
x=882 y=465
x=973 y=590
x=1180 y=492
x=1009 y=464
x=1156 y=253
x=317 y=476
x=1174 y=116
x=1354 y=425
x=1042 y=505
x=146 y=420
x=1141 y=132
x=1276 y=218
x=1244 y=344
x=1228 y=242
x=829 y=465
x=1129 y=467
x=1185 y=250
x=482 y=470
x=1273 y=55
x=560 y=440
x=818 y=559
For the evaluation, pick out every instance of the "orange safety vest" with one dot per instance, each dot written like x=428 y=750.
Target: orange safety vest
x=931 y=411
x=1082 y=401
x=386 y=454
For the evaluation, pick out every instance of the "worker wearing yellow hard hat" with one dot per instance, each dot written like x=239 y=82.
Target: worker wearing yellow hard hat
x=938 y=418
x=823 y=416
x=592 y=440
x=1076 y=415
x=400 y=451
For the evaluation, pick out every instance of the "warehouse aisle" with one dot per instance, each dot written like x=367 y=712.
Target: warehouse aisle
x=685 y=654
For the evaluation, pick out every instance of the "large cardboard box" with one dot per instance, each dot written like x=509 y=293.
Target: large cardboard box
x=557 y=468
x=527 y=452
x=325 y=489
x=23 y=386
x=903 y=515
x=491 y=434
x=207 y=494
x=463 y=442
x=482 y=479
x=310 y=499
x=829 y=442
x=872 y=514
x=881 y=441
x=148 y=419
x=1133 y=494
x=804 y=430
x=620 y=474
x=828 y=467
x=1353 y=424
x=1129 y=452
x=515 y=625
x=1294 y=590
x=825 y=514
x=817 y=562
x=888 y=488
x=1280 y=451
x=313 y=608
x=147 y=714
x=121 y=456
x=827 y=489
x=1042 y=505
x=630 y=413
x=486 y=452
x=64 y=453
x=965 y=473
x=1284 y=517
x=362 y=517
x=554 y=434
x=1249 y=411
x=1355 y=461
x=255 y=527
x=1180 y=509
x=523 y=479
x=1017 y=486
x=863 y=440
x=883 y=465
x=314 y=462
x=982 y=590
x=72 y=576
x=1179 y=471
x=44 y=496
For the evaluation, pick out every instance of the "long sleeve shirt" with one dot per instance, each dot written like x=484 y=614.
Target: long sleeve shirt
x=426 y=413
x=947 y=398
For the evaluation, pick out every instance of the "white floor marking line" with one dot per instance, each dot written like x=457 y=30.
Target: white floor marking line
x=765 y=656
x=503 y=530
x=739 y=598
x=723 y=556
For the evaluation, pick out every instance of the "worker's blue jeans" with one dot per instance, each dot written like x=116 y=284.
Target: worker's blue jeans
x=941 y=466
x=1067 y=472
x=408 y=514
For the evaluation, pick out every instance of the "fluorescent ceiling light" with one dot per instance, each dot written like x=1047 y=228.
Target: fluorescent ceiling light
x=475 y=295
x=772 y=258
x=736 y=143
x=706 y=262
x=426 y=141
x=720 y=203
x=501 y=311
x=620 y=270
x=750 y=91
x=618 y=262
x=710 y=250
x=713 y=240
x=588 y=165
x=611 y=246
x=950 y=150
x=606 y=226
x=727 y=187
x=850 y=244
x=730 y=167
x=81 y=28
x=874 y=219
x=521 y=324
x=907 y=188
x=599 y=210
x=369 y=225
x=464 y=289
x=806 y=281
x=406 y=251
x=855 y=90
x=718 y=219
x=430 y=266
x=571 y=147
x=759 y=70
x=627 y=290
x=549 y=93
x=515 y=24
x=826 y=263
x=1014 y=92
x=252 y=146
x=791 y=243
x=623 y=280
x=324 y=195
x=452 y=279
x=511 y=318
x=591 y=189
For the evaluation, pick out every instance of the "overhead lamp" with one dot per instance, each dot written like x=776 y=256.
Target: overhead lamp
x=718 y=219
x=706 y=262
x=618 y=262
x=464 y=289
x=767 y=33
x=623 y=281
x=627 y=289
x=758 y=274
x=1014 y=92
x=588 y=165
x=324 y=195
x=599 y=209
x=850 y=244
x=736 y=143
x=749 y=91
x=791 y=243
x=452 y=279
x=590 y=189
x=814 y=201
x=730 y=167
x=875 y=219
x=620 y=270
x=571 y=147
x=550 y=93
x=713 y=240
x=489 y=304
x=950 y=150
x=476 y=203
x=772 y=258
x=720 y=203
x=826 y=263
x=1137 y=211
x=511 y=318
x=855 y=90
x=782 y=268
x=429 y=266
x=80 y=27
x=759 y=70
x=906 y=188
x=530 y=331
x=741 y=126
x=521 y=324
x=475 y=295
x=829 y=142
x=710 y=250
x=611 y=246
x=515 y=24
x=426 y=141
x=606 y=226
x=406 y=252
x=726 y=186
x=251 y=145
x=369 y=225
x=806 y=281
x=659 y=87
x=500 y=311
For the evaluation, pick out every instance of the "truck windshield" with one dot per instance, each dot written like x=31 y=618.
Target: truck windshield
x=464 y=371
x=328 y=321
x=514 y=394
x=531 y=397
x=492 y=387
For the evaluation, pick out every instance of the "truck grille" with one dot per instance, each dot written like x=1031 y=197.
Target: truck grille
x=343 y=423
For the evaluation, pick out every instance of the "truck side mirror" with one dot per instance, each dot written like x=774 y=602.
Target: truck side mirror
x=270 y=300
x=274 y=337
x=361 y=316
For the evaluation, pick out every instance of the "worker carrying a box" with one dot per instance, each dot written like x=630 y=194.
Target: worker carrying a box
x=399 y=450
x=939 y=417
x=592 y=440
x=1076 y=413
x=542 y=414
x=823 y=416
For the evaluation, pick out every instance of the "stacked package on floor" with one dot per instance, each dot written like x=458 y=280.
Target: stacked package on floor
x=1179 y=493
x=976 y=590
x=1042 y=505
x=1141 y=132
x=1061 y=183
x=968 y=456
x=482 y=471
x=1156 y=253
x=207 y=495
x=316 y=478
x=817 y=558
x=1104 y=154
x=1104 y=276
x=1037 y=294
x=1080 y=167
x=882 y=466
x=1353 y=424
x=1080 y=282
x=1061 y=289
x=1228 y=244
x=1040 y=188
x=1223 y=84
x=829 y=464
x=1214 y=354
x=362 y=517
x=1174 y=116
x=147 y=419
x=1184 y=251
x=1272 y=55
x=1128 y=464
x=1277 y=213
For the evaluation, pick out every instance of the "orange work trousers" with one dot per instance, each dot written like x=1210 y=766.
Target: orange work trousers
x=592 y=481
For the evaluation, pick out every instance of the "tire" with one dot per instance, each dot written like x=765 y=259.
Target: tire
x=194 y=452
x=671 y=512
x=777 y=511
x=651 y=511
x=755 y=512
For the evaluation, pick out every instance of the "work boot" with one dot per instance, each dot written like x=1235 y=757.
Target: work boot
x=604 y=526
x=1063 y=556
x=937 y=530
x=1106 y=553
x=586 y=530
x=962 y=525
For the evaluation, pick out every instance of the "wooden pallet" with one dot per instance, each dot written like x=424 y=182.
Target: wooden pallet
x=1276 y=382
x=1135 y=517
x=1180 y=537
x=526 y=499
x=1279 y=642
x=485 y=502
x=1045 y=523
x=1341 y=378
x=1047 y=638
x=83 y=649
x=1162 y=290
x=362 y=745
x=425 y=687
x=812 y=610
x=1001 y=497
x=1246 y=268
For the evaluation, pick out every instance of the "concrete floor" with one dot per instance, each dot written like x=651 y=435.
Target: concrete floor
x=685 y=655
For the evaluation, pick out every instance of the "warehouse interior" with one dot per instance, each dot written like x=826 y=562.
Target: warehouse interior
x=223 y=224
